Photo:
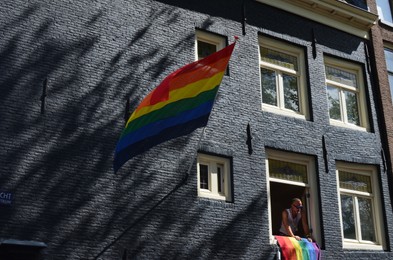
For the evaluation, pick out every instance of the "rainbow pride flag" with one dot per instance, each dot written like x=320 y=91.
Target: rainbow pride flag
x=292 y=249
x=176 y=107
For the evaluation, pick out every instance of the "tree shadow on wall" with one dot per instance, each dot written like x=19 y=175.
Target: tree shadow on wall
x=58 y=164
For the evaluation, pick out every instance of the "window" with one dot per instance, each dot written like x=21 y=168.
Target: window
x=389 y=66
x=292 y=175
x=214 y=180
x=358 y=3
x=360 y=209
x=384 y=10
x=346 y=94
x=207 y=43
x=282 y=78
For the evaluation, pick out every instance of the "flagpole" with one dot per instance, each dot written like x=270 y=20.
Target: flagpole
x=194 y=156
x=162 y=116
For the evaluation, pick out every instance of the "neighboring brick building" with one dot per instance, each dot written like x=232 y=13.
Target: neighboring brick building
x=296 y=116
x=382 y=60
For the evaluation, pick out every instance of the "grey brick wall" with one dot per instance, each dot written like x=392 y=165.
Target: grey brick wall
x=97 y=54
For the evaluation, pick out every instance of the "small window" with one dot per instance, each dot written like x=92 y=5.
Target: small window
x=292 y=175
x=282 y=78
x=346 y=94
x=384 y=10
x=214 y=180
x=358 y=3
x=207 y=43
x=360 y=208
x=389 y=66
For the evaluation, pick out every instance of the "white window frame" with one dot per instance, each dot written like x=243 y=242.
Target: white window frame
x=300 y=74
x=360 y=91
x=311 y=187
x=211 y=38
x=370 y=171
x=213 y=163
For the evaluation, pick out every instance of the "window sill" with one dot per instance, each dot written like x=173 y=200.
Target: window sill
x=349 y=126
x=208 y=195
x=361 y=246
x=284 y=112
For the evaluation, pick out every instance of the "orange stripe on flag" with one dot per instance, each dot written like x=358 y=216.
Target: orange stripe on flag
x=198 y=74
x=192 y=72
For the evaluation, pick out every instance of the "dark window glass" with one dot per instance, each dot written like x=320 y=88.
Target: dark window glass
x=334 y=103
x=204 y=176
x=358 y=3
x=269 y=91
x=366 y=219
x=291 y=92
x=205 y=49
x=347 y=216
x=219 y=178
x=352 y=107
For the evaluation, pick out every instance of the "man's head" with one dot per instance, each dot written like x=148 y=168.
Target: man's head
x=296 y=204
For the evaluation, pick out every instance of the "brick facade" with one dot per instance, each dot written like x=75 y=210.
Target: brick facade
x=383 y=34
x=57 y=163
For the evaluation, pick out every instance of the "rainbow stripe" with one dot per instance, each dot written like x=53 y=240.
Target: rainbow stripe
x=292 y=249
x=176 y=107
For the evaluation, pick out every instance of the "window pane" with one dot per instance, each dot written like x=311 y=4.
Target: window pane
x=288 y=171
x=205 y=49
x=204 y=176
x=353 y=181
x=359 y=3
x=389 y=59
x=348 y=217
x=279 y=58
x=341 y=76
x=269 y=92
x=384 y=10
x=334 y=103
x=391 y=85
x=352 y=107
x=291 y=95
x=389 y=65
x=219 y=177
x=366 y=219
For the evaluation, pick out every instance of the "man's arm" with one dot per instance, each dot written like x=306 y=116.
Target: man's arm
x=286 y=225
x=305 y=226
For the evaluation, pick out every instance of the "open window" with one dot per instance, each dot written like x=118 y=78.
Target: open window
x=290 y=176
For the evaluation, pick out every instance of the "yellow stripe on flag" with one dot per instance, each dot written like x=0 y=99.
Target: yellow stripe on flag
x=298 y=248
x=188 y=91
